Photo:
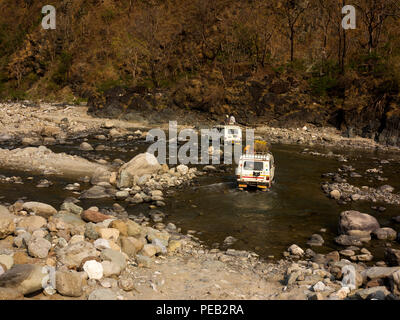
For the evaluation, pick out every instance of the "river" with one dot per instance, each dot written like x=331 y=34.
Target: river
x=264 y=222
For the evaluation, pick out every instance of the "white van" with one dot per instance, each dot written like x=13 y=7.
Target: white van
x=229 y=134
x=257 y=169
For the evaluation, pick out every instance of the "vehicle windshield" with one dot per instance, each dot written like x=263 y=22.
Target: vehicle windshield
x=256 y=166
x=232 y=131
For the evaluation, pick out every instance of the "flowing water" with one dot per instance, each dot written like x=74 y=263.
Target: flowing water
x=264 y=222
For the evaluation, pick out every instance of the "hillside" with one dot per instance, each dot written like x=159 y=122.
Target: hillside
x=285 y=63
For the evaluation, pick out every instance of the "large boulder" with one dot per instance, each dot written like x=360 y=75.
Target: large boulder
x=143 y=163
x=7 y=225
x=66 y=221
x=26 y=278
x=40 y=209
x=39 y=247
x=355 y=220
x=69 y=283
x=94 y=216
x=42 y=160
x=379 y=272
x=73 y=254
x=32 y=223
x=385 y=234
x=115 y=257
x=95 y=192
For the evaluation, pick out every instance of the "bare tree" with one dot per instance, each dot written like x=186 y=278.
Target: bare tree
x=374 y=14
x=291 y=11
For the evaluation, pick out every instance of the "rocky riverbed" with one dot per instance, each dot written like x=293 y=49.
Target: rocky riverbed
x=77 y=251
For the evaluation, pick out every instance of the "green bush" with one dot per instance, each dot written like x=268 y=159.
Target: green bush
x=60 y=76
x=109 y=84
x=370 y=64
x=324 y=77
x=17 y=94
x=320 y=86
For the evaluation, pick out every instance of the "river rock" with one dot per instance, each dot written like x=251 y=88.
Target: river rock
x=69 y=283
x=136 y=199
x=371 y=292
x=379 y=272
x=144 y=163
x=182 y=169
x=149 y=250
x=335 y=194
x=76 y=238
x=93 y=269
x=121 y=226
x=84 y=146
x=347 y=253
x=26 y=278
x=386 y=189
x=66 y=221
x=7 y=261
x=296 y=250
x=341 y=294
x=110 y=269
x=73 y=254
x=174 y=245
x=209 y=168
x=91 y=232
x=71 y=207
x=94 y=216
x=160 y=245
x=143 y=261
x=7 y=225
x=316 y=240
x=365 y=257
x=122 y=195
x=319 y=286
x=115 y=257
x=95 y=192
x=101 y=244
x=385 y=234
x=101 y=177
x=355 y=220
x=228 y=241
x=40 y=209
x=396 y=279
x=134 y=229
x=126 y=284
x=38 y=247
x=103 y=294
x=363 y=236
x=109 y=234
x=392 y=257
x=130 y=245
x=32 y=223
x=345 y=240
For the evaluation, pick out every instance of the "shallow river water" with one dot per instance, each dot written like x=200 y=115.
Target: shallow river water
x=264 y=222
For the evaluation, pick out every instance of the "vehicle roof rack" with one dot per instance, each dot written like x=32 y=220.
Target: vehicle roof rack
x=256 y=156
